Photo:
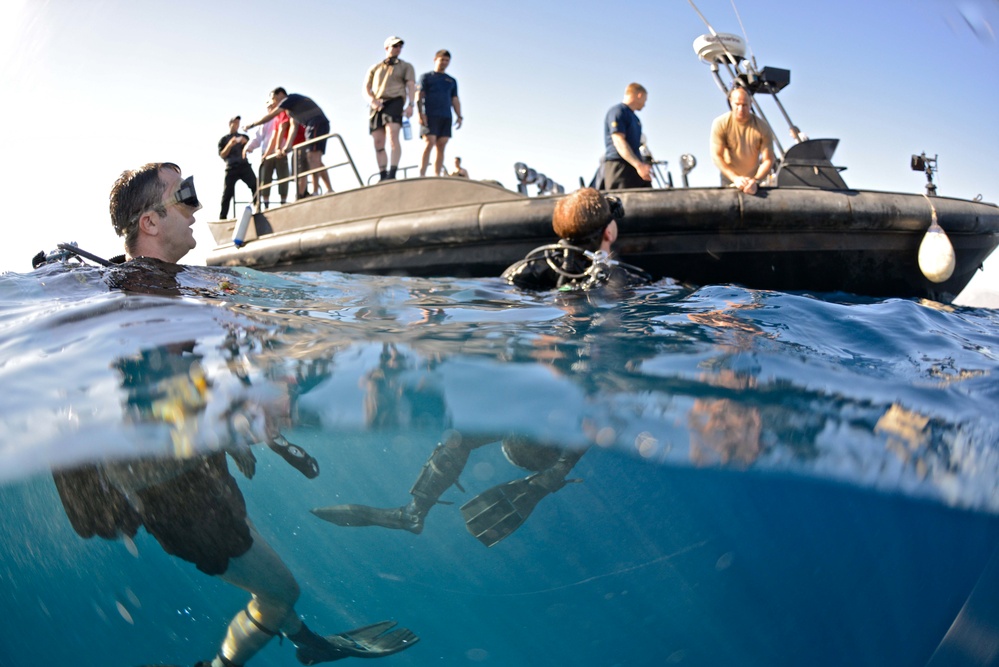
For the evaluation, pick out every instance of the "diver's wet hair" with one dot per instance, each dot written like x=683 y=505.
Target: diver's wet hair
x=582 y=217
x=135 y=192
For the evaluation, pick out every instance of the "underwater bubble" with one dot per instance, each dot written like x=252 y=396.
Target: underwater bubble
x=646 y=444
x=477 y=654
x=483 y=471
x=130 y=545
x=606 y=437
x=124 y=613
x=133 y=598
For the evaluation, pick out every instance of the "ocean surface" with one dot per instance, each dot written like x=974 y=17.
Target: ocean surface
x=765 y=478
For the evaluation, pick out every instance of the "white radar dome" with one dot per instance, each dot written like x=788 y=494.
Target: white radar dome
x=720 y=48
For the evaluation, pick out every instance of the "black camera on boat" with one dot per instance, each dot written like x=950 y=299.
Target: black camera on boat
x=929 y=165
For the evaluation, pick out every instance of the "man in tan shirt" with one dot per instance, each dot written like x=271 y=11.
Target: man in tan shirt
x=388 y=85
x=742 y=144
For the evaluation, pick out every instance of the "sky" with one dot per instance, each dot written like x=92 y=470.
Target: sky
x=93 y=88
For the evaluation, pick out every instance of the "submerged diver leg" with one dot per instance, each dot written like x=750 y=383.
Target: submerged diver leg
x=440 y=471
x=272 y=609
x=243 y=640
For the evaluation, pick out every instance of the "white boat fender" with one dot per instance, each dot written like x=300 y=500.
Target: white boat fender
x=936 y=253
x=239 y=234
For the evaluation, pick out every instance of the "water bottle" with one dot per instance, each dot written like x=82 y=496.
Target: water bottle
x=239 y=233
x=407 y=130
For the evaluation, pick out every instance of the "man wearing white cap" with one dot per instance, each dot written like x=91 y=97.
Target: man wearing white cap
x=389 y=85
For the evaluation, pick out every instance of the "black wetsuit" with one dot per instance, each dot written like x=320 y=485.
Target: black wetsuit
x=193 y=507
x=537 y=272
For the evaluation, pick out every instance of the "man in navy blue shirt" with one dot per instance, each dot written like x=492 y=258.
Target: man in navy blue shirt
x=435 y=95
x=624 y=166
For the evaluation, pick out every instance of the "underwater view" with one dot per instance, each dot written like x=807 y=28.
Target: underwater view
x=663 y=475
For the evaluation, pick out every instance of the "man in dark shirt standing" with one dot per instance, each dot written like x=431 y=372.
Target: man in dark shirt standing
x=302 y=111
x=436 y=93
x=236 y=166
x=624 y=166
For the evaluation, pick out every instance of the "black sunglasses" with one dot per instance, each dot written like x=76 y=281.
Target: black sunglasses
x=186 y=194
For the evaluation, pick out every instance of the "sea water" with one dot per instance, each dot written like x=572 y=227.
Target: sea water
x=768 y=478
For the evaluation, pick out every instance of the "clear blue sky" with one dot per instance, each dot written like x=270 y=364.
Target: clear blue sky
x=92 y=88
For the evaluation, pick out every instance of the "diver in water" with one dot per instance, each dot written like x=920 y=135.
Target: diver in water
x=398 y=398
x=490 y=516
x=586 y=224
x=192 y=504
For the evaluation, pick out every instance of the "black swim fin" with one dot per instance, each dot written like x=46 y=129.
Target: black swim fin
x=496 y=513
x=362 y=515
x=372 y=641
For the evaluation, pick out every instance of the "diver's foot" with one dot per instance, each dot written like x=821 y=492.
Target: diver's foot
x=362 y=515
x=371 y=641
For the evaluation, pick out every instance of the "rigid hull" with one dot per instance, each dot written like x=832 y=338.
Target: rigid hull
x=789 y=239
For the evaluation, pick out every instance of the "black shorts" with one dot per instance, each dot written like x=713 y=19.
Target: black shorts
x=619 y=174
x=437 y=126
x=302 y=158
x=199 y=516
x=391 y=112
x=317 y=130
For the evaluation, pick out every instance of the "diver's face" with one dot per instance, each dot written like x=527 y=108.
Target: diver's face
x=175 y=229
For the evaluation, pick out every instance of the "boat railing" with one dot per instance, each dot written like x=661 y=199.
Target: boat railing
x=296 y=174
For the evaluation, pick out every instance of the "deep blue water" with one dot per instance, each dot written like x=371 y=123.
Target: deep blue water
x=769 y=478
